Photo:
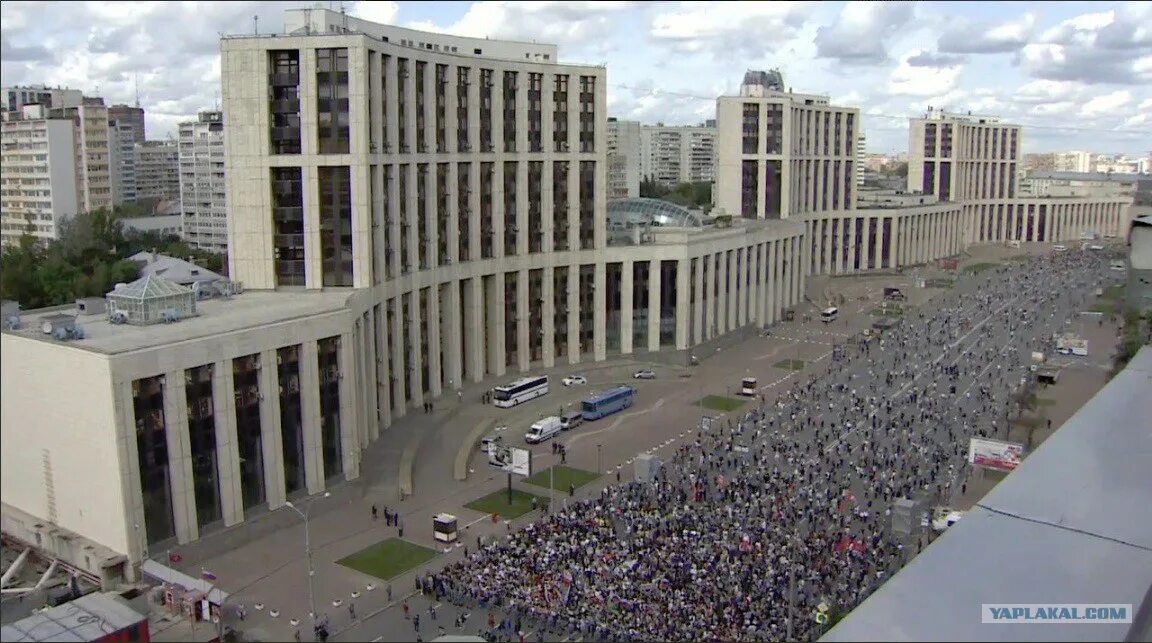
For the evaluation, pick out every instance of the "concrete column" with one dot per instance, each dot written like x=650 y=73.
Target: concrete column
x=852 y=263
x=708 y=275
x=740 y=258
x=722 y=296
x=349 y=445
x=383 y=374
x=228 y=449
x=683 y=268
x=271 y=438
x=698 y=305
x=735 y=290
x=496 y=349
x=573 y=302
x=523 y=339
x=474 y=327
x=415 y=331
x=399 y=386
x=599 y=313
x=180 y=477
x=801 y=268
x=757 y=315
x=452 y=332
x=627 y=283
x=314 y=474
x=432 y=327
x=797 y=271
x=654 y=305
x=772 y=291
x=548 y=311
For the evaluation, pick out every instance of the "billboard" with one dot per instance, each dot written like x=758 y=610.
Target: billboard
x=994 y=454
x=510 y=459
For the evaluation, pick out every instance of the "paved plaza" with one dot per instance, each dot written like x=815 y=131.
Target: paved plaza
x=962 y=328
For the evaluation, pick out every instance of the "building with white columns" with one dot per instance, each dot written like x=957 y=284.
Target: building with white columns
x=408 y=212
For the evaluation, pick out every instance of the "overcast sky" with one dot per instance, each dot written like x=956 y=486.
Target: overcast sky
x=1080 y=73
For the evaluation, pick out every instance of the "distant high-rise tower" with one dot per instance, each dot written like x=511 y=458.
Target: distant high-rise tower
x=205 y=223
x=133 y=117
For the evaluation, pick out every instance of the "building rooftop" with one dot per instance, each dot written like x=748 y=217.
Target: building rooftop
x=216 y=316
x=1088 y=176
x=88 y=618
x=653 y=212
x=172 y=268
x=1069 y=525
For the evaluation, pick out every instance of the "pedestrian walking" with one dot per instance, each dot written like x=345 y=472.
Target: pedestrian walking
x=388 y=592
x=373 y=513
x=352 y=611
x=416 y=621
x=404 y=606
x=571 y=490
x=296 y=636
x=400 y=525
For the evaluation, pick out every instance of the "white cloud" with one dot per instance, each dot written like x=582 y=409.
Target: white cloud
x=981 y=37
x=729 y=29
x=1106 y=103
x=561 y=23
x=376 y=11
x=910 y=80
x=859 y=32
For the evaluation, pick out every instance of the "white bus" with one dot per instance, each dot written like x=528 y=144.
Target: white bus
x=748 y=386
x=522 y=390
x=829 y=314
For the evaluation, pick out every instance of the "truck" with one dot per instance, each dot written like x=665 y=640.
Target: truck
x=1072 y=345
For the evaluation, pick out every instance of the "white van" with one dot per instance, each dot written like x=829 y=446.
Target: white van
x=543 y=430
x=829 y=314
x=571 y=419
x=1060 y=248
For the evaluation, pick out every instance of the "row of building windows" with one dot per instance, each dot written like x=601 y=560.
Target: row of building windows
x=333 y=108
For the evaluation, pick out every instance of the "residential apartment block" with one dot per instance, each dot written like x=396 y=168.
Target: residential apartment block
x=121 y=141
x=624 y=159
x=130 y=117
x=37 y=173
x=677 y=154
x=157 y=170
x=15 y=98
x=202 y=184
x=94 y=169
x=409 y=212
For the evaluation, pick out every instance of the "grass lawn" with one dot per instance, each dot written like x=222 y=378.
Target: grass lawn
x=977 y=268
x=561 y=477
x=721 y=403
x=389 y=558
x=939 y=283
x=888 y=311
x=497 y=503
x=1105 y=307
x=788 y=365
x=1113 y=293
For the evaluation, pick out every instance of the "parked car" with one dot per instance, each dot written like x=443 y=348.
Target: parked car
x=573 y=380
x=645 y=374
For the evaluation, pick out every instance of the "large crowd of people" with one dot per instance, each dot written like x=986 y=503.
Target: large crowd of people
x=758 y=523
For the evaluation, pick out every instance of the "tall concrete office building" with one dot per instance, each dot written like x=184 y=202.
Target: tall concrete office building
x=408 y=212
x=781 y=154
x=202 y=186
x=37 y=173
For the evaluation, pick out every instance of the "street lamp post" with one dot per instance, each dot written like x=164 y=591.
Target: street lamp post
x=598 y=450
x=308 y=553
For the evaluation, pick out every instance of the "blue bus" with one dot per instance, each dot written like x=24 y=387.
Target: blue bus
x=608 y=402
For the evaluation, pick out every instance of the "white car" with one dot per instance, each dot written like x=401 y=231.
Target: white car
x=644 y=375
x=573 y=380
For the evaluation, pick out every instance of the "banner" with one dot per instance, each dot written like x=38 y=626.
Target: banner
x=994 y=454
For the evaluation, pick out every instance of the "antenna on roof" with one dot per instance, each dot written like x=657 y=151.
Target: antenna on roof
x=255 y=25
x=137 y=89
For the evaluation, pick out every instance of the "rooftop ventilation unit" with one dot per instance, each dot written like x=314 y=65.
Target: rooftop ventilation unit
x=91 y=306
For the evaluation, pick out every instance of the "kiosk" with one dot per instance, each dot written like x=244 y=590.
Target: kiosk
x=444 y=528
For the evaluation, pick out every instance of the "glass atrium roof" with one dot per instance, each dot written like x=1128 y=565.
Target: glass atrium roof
x=653 y=212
